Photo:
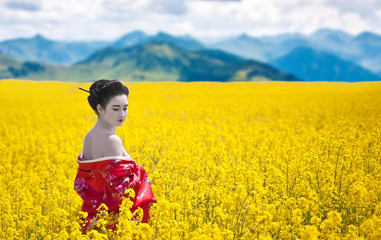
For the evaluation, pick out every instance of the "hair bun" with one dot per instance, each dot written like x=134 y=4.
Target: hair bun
x=94 y=93
x=103 y=90
x=101 y=85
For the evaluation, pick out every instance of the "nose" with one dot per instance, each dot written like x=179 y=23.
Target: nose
x=123 y=113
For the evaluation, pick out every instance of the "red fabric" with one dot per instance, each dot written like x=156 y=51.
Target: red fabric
x=106 y=180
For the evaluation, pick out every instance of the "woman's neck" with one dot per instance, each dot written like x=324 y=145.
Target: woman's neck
x=104 y=126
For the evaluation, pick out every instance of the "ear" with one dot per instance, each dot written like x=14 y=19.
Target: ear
x=100 y=109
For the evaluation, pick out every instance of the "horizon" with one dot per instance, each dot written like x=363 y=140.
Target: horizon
x=189 y=35
x=205 y=20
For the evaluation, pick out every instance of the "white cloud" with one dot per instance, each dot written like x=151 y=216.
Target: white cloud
x=364 y=8
x=101 y=19
x=378 y=13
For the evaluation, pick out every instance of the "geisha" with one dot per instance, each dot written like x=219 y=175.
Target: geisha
x=105 y=168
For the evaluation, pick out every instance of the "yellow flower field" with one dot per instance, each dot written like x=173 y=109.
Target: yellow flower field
x=255 y=160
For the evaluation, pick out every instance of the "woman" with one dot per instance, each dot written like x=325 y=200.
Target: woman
x=105 y=169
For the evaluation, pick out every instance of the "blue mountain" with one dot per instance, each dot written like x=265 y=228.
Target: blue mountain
x=327 y=36
x=245 y=46
x=363 y=49
x=152 y=61
x=314 y=65
x=262 y=48
x=130 y=39
x=41 y=49
x=370 y=44
x=164 y=61
x=138 y=37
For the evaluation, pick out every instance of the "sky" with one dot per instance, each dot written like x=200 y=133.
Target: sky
x=208 y=20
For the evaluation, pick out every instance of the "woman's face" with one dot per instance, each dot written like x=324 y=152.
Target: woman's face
x=116 y=110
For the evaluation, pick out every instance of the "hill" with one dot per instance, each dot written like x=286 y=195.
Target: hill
x=7 y=62
x=314 y=65
x=164 y=61
x=363 y=49
x=138 y=37
x=41 y=49
x=261 y=48
x=160 y=61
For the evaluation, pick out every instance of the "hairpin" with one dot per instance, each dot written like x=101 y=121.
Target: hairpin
x=84 y=90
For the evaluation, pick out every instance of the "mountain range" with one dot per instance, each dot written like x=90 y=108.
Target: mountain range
x=151 y=61
x=44 y=50
x=139 y=37
x=326 y=55
x=363 y=49
x=316 y=65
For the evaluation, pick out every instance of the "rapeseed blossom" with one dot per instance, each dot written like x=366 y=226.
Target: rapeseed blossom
x=255 y=160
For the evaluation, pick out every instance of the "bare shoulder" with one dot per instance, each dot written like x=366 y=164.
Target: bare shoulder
x=114 y=140
x=89 y=135
x=113 y=146
x=98 y=144
x=87 y=144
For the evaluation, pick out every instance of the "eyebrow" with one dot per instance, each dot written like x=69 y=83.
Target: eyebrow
x=119 y=105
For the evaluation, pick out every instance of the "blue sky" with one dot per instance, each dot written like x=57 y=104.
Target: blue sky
x=203 y=19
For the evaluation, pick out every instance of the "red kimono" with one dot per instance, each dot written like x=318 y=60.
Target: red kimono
x=104 y=180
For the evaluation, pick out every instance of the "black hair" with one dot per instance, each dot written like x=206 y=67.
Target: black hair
x=103 y=90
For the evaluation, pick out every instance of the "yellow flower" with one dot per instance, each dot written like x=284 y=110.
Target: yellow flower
x=310 y=233
x=242 y=160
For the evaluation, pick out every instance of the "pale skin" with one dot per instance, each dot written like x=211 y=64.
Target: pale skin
x=101 y=140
